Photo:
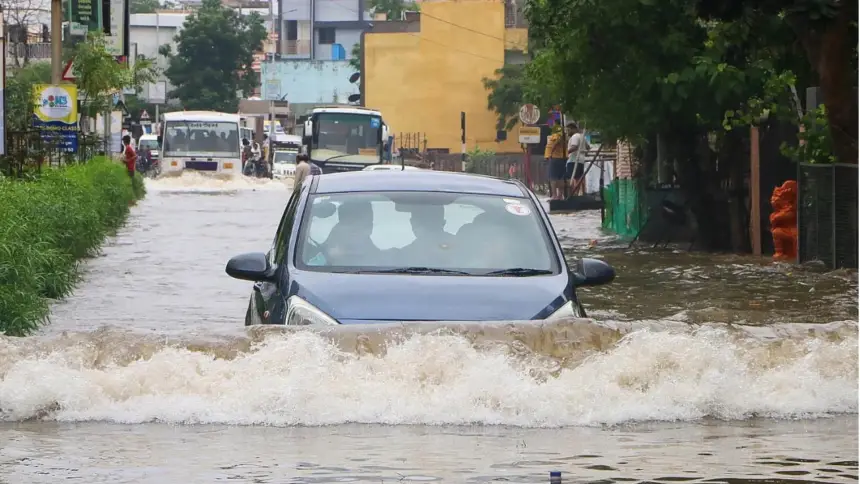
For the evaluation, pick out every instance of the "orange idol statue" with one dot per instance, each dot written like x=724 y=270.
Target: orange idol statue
x=783 y=221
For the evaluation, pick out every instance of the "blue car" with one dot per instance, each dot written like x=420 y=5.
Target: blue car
x=373 y=247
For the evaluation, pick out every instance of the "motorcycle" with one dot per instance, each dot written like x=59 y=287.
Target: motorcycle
x=256 y=167
x=149 y=168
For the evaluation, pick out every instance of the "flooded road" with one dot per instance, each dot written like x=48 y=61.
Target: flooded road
x=147 y=375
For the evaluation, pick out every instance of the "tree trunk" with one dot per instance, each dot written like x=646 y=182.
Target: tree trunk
x=830 y=49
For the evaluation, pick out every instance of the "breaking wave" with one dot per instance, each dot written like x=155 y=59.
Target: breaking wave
x=578 y=373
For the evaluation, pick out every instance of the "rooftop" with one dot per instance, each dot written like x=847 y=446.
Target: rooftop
x=417 y=181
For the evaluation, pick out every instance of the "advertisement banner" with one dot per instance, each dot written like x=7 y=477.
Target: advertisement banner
x=55 y=114
x=85 y=16
x=116 y=40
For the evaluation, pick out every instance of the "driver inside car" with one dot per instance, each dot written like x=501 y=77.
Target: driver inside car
x=349 y=243
x=432 y=244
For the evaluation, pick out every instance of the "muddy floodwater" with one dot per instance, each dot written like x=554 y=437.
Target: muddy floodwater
x=692 y=368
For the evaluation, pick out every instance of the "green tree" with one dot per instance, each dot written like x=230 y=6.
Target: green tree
x=144 y=6
x=214 y=56
x=355 y=57
x=393 y=9
x=19 y=94
x=643 y=69
x=512 y=87
x=827 y=32
x=98 y=75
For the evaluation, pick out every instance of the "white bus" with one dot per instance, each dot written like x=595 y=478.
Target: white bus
x=204 y=141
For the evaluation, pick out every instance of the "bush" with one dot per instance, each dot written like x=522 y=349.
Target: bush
x=46 y=226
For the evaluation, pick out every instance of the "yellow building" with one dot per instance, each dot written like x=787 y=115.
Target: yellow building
x=424 y=71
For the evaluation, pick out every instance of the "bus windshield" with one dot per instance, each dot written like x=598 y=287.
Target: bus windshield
x=217 y=139
x=347 y=136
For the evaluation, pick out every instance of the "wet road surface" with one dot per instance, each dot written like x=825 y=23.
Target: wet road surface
x=154 y=338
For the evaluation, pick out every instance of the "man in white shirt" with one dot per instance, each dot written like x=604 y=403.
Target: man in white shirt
x=576 y=159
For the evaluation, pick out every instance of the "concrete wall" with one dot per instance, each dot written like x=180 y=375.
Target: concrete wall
x=422 y=80
x=312 y=82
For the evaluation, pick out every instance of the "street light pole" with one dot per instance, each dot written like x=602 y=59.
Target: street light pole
x=56 y=41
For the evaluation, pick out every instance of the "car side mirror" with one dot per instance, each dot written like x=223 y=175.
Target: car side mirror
x=252 y=267
x=159 y=140
x=593 y=272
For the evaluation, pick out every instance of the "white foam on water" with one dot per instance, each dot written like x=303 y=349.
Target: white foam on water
x=197 y=182
x=303 y=379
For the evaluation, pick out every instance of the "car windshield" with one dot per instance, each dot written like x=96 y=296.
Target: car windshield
x=202 y=138
x=148 y=143
x=284 y=157
x=342 y=135
x=433 y=231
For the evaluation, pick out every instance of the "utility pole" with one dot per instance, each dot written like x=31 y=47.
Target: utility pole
x=157 y=60
x=56 y=41
x=463 y=140
x=271 y=62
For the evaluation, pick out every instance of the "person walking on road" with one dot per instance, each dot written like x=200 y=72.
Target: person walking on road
x=303 y=170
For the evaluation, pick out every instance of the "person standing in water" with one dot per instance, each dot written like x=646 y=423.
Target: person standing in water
x=303 y=170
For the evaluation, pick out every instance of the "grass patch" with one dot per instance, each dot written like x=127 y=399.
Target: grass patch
x=47 y=225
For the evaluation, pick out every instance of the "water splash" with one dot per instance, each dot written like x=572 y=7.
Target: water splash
x=609 y=374
x=197 y=182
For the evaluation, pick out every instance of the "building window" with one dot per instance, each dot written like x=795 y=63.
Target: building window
x=326 y=35
x=292 y=30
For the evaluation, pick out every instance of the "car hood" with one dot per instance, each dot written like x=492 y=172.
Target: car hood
x=358 y=298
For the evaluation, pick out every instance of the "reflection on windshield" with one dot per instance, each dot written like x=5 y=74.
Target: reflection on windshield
x=182 y=138
x=348 y=134
x=476 y=234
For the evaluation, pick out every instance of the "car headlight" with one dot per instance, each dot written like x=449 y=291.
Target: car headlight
x=303 y=313
x=566 y=311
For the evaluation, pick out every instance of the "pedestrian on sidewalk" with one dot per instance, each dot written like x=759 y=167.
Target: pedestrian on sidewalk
x=556 y=159
x=130 y=155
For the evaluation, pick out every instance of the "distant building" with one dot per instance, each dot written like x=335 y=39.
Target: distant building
x=321 y=29
x=424 y=71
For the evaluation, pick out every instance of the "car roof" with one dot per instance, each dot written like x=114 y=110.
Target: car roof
x=416 y=180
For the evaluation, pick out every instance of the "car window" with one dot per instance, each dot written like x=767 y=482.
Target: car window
x=285 y=157
x=464 y=232
x=282 y=236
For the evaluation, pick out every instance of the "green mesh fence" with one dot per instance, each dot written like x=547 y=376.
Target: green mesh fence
x=624 y=213
x=827 y=214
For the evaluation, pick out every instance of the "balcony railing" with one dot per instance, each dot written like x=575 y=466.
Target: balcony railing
x=297 y=47
x=39 y=50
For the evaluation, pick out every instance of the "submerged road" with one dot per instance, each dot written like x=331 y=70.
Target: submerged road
x=153 y=337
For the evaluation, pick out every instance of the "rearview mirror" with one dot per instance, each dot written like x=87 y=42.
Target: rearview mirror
x=323 y=209
x=252 y=267
x=593 y=272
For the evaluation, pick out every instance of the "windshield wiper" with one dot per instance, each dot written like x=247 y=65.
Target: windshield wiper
x=340 y=156
x=420 y=270
x=518 y=271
